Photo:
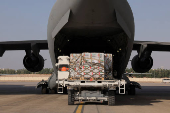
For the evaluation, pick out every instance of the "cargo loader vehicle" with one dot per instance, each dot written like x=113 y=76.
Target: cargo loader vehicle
x=87 y=77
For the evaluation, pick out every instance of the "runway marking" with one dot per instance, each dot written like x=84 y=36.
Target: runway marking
x=97 y=109
x=79 y=108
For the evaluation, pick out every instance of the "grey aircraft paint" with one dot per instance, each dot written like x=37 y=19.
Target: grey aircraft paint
x=98 y=23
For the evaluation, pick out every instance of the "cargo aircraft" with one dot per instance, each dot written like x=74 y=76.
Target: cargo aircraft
x=77 y=26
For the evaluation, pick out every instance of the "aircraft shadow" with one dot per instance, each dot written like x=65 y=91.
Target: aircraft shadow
x=20 y=90
x=147 y=96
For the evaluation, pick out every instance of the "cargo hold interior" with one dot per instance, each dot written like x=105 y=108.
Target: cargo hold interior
x=64 y=45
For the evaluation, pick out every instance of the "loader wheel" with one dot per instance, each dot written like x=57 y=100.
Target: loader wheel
x=44 y=90
x=132 y=90
x=111 y=98
x=70 y=97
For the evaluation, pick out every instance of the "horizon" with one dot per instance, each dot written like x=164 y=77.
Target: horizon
x=26 y=20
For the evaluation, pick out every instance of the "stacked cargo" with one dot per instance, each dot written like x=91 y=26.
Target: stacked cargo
x=91 y=66
x=108 y=66
x=75 y=66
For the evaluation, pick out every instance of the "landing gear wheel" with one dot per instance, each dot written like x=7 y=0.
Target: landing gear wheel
x=111 y=98
x=70 y=97
x=132 y=90
x=53 y=91
x=44 y=90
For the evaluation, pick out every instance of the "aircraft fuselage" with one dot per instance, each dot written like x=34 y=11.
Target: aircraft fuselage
x=106 y=26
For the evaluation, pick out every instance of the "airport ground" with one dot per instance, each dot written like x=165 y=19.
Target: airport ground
x=39 y=77
x=22 y=97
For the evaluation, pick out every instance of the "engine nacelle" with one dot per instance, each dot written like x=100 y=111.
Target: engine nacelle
x=33 y=63
x=142 y=65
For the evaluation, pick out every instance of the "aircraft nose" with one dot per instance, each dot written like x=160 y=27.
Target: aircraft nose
x=94 y=11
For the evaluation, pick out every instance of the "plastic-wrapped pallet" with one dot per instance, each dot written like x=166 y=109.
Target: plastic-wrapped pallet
x=93 y=66
x=75 y=66
x=86 y=66
x=108 y=62
x=98 y=67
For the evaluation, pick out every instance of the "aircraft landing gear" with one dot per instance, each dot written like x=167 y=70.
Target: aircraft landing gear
x=53 y=91
x=44 y=90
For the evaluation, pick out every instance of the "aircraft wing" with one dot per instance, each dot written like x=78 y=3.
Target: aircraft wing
x=23 y=45
x=151 y=45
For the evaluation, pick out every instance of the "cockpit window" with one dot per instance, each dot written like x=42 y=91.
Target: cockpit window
x=64 y=67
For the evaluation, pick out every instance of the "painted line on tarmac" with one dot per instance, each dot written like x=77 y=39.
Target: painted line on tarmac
x=79 y=109
x=97 y=109
x=75 y=109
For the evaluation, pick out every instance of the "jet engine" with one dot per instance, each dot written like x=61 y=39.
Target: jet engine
x=33 y=63
x=142 y=65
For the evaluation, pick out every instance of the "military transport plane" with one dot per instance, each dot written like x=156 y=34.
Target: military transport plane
x=77 y=26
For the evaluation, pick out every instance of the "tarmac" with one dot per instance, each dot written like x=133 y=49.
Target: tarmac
x=39 y=77
x=22 y=97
